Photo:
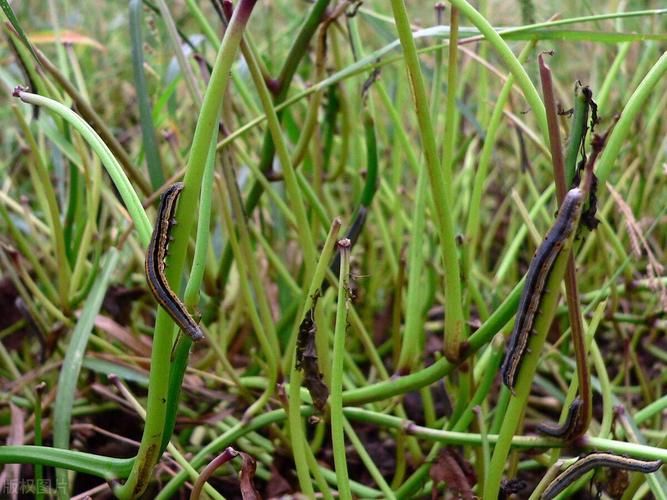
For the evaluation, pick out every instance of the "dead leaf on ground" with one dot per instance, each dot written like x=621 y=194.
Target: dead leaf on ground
x=458 y=475
x=248 y=490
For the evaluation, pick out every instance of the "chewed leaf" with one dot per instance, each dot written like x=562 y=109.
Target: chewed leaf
x=306 y=360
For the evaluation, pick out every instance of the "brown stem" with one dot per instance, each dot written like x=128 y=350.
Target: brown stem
x=572 y=292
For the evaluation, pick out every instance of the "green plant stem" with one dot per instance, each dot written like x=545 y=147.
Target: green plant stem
x=203 y=23
x=454 y=324
x=181 y=350
x=109 y=161
x=96 y=465
x=69 y=374
x=39 y=468
x=378 y=60
x=294 y=56
x=499 y=45
x=336 y=399
x=441 y=368
x=293 y=192
x=24 y=247
x=461 y=424
x=368 y=461
x=577 y=134
x=311 y=120
x=412 y=337
x=191 y=294
x=184 y=65
x=481 y=176
x=523 y=442
x=41 y=179
x=204 y=135
x=516 y=407
x=612 y=75
x=297 y=437
x=252 y=287
x=623 y=127
x=415 y=297
x=79 y=281
x=113 y=468
x=176 y=454
x=510 y=256
x=449 y=140
x=151 y=151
